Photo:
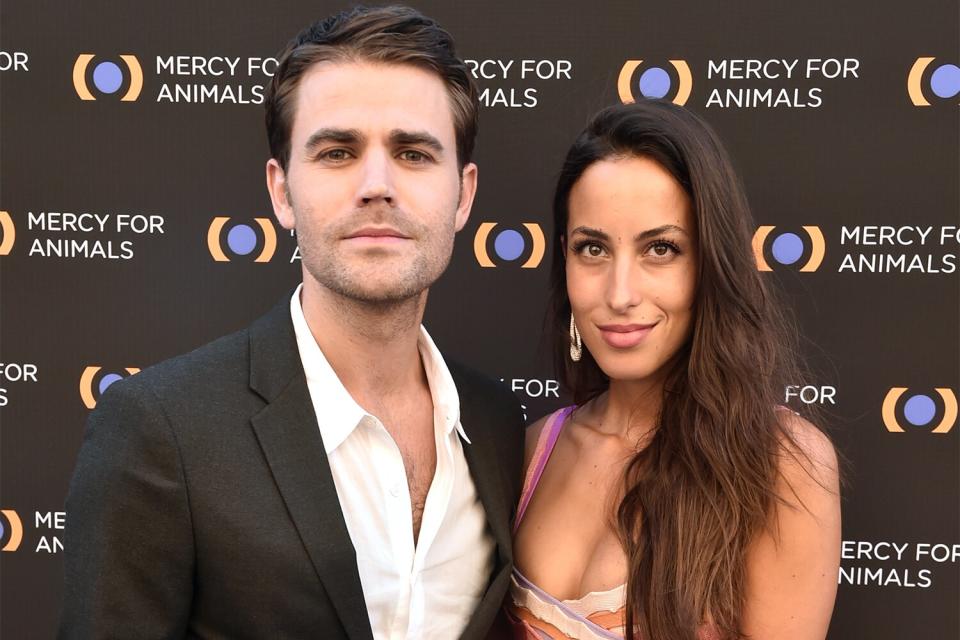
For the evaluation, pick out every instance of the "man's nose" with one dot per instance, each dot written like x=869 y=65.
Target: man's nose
x=376 y=183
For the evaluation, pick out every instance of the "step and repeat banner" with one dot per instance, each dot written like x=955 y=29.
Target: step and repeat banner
x=135 y=225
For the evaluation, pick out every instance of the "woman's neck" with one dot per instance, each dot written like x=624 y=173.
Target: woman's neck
x=629 y=408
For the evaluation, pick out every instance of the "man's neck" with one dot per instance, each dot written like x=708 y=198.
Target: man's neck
x=373 y=348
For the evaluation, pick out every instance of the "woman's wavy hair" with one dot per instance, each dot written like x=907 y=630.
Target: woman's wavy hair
x=705 y=485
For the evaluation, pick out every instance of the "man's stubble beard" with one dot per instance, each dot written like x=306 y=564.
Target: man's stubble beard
x=386 y=285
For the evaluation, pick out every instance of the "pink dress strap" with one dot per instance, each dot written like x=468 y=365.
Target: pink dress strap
x=538 y=462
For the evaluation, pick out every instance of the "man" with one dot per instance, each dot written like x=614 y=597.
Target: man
x=323 y=473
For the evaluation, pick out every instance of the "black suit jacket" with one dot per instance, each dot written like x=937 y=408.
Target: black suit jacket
x=203 y=506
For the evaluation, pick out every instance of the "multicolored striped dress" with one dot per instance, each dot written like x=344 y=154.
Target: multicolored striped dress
x=534 y=613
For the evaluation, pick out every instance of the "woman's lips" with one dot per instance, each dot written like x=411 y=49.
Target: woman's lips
x=624 y=336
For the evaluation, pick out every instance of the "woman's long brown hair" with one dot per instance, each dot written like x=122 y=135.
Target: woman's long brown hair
x=705 y=486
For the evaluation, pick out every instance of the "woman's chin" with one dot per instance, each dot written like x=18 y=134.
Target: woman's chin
x=619 y=371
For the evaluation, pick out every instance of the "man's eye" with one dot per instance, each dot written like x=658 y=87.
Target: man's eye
x=411 y=155
x=336 y=155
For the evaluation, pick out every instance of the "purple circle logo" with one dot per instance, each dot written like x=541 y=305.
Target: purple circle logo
x=920 y=410
x=654 y=83
x=672 y=81
x=787 y=248
x=903 y=410
x=108 y=380
x=508 y=245
x=107 y=77
x=945 y=81
x=242 y=240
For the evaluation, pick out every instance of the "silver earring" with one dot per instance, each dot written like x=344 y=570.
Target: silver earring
x=576 y=346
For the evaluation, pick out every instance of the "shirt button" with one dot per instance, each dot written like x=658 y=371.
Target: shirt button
x=395 y=490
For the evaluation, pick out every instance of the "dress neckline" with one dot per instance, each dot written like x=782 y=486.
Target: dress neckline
x=538 y=463
x=564 y=606
x=570 y=601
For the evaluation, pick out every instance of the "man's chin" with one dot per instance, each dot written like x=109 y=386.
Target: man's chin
x=389 y=282
x=378 y=293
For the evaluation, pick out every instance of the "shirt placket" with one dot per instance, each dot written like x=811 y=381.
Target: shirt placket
x=396 y=496
x=438 y=499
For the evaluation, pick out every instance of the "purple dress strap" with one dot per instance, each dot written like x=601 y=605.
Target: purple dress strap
x=545 y=444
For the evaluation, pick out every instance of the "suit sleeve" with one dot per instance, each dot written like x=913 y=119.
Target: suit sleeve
x=128 y=550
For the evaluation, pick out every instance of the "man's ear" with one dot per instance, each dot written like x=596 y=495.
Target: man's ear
x=280 y=194
x=468 y=190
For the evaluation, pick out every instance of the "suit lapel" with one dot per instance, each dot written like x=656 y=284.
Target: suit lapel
x=485 y=469
x=482 y=461
x=290 y=438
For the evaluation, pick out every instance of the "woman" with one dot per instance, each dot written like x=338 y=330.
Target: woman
x=676 y=500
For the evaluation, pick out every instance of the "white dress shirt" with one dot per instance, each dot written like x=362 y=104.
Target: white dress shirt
x=427 y=590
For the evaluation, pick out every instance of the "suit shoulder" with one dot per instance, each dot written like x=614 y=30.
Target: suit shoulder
x=217 y=365
x=477 y=384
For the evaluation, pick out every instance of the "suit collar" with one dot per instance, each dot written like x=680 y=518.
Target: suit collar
x=342 y=414
x=485 y=467
x=488 y=477
x=274 y=359
x=330 y=399
x=289 y=436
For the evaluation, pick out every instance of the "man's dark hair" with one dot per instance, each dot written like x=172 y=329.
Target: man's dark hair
x=392 y=35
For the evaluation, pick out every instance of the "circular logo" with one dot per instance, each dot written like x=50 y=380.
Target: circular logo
x=508 y=245
x=11 y=530
x=108 y=380
x=655 y=82
x=242 y=239
x=919 y=410
x=802 y=251
x=945 y=81
x=651 y=79
x=787 y=248
x=526 y=242
x=107 y=77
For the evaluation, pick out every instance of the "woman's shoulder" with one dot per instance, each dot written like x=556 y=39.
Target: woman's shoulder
x=534 y=432
x=792 y=565
x=808 y=458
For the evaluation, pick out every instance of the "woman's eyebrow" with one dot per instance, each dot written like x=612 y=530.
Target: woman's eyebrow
x=659 y=231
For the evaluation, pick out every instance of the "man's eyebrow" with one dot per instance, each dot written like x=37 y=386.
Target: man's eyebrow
x=399 y=137
x=329 y=134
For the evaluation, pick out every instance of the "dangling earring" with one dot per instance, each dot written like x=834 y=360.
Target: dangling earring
x=576 y=346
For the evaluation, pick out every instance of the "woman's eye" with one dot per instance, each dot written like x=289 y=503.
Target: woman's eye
x=591 y=250
x=663 y=249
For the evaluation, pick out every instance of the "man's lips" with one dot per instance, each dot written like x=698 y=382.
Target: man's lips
x=624 y=336
x=377 y=235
